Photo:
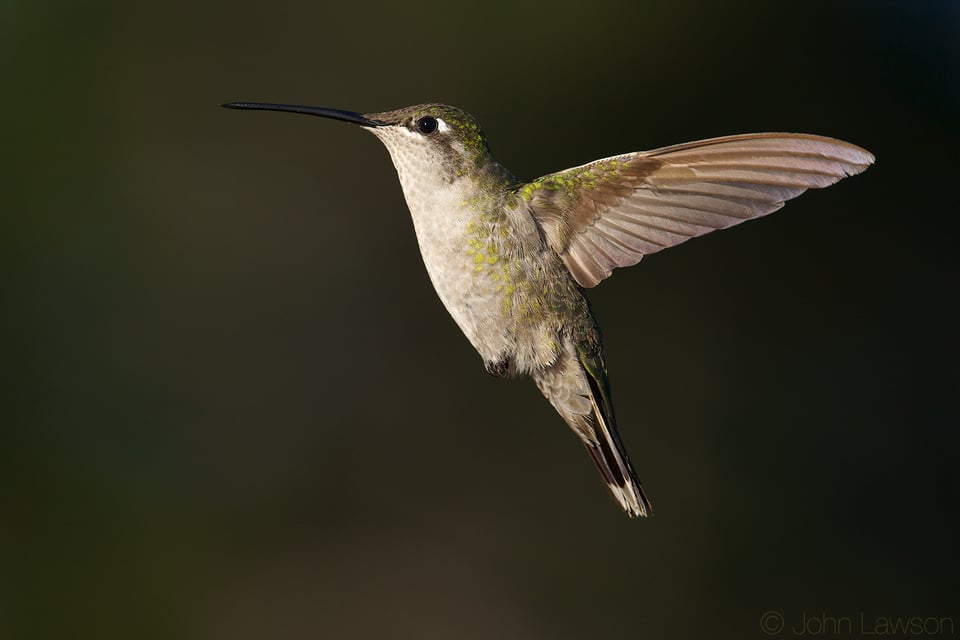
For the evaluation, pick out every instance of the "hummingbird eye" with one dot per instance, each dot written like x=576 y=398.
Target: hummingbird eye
x=427 y=125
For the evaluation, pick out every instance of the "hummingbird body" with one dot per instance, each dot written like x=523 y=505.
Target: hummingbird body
x=507 y=290
x=509 y=260
x=493 y=271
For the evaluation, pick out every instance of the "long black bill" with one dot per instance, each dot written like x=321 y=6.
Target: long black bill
x=335 y=114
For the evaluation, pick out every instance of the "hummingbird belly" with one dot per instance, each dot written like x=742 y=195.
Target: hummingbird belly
x=483 y=277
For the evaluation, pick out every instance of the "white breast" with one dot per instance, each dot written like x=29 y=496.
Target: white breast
x=445 y=218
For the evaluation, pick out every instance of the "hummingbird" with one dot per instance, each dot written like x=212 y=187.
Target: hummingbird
x=510 y=260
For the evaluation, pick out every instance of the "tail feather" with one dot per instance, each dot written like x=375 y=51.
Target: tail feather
x=608 y=452
x=612 y=460
x=577 y=387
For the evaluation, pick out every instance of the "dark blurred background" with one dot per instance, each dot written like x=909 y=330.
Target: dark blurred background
x=238 y=410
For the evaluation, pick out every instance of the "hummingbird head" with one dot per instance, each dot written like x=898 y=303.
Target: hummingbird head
x=426 y=140
x=438 y=137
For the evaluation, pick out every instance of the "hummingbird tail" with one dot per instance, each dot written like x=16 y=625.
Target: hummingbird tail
x=611 y=459
x=576 y=385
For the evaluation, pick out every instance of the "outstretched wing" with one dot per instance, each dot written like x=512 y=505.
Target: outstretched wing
x=612 y=212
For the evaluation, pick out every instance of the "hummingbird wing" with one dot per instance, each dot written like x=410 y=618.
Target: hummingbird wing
x=612 y=212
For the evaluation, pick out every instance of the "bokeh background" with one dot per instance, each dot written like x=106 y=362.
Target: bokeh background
x=238 y=410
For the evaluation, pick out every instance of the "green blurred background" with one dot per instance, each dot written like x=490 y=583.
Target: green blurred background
x=238 y=410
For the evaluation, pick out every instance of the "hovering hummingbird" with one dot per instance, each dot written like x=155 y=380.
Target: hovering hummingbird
x=510 y=260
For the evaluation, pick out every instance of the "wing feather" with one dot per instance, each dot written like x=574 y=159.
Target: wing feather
x=610 y=213
x=661 y=223
x=582 y=264
x=614 y=247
